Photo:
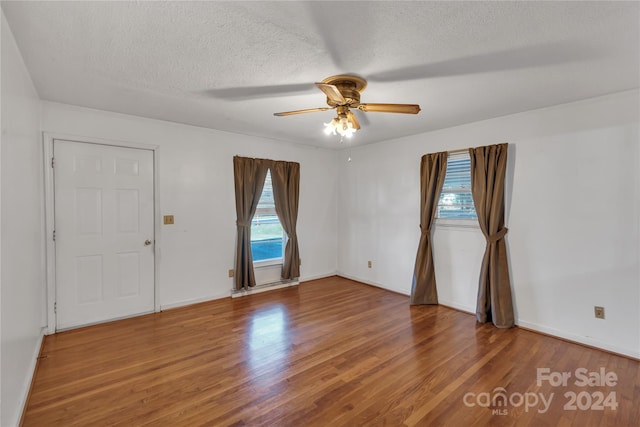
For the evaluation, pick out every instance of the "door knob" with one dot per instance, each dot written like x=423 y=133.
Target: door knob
x=147 y=242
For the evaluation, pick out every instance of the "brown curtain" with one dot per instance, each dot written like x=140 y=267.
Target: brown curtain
x=433 y=169
x=285 y=179
x=249 y=176
x=488 y=170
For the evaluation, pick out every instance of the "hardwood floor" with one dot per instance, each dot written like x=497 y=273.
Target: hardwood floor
x=331 y=352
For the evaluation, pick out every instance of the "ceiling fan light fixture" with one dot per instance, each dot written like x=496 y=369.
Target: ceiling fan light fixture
x=330 y=128
x=340 y=125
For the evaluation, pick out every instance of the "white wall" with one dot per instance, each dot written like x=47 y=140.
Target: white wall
x=574 y=233
x=22 y=277
x=196 y=186
x=573 y=218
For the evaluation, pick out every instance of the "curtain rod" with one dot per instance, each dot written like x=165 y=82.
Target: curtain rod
x=462 y=150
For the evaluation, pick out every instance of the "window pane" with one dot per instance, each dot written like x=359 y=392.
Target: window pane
x=266 y=231
x=456 y=201
x=458 y=175
x=266 y=237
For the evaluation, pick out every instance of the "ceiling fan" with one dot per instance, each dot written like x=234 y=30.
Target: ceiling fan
x=343 y=93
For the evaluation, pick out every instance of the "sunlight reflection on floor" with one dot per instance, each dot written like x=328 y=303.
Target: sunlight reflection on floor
x=269 y=338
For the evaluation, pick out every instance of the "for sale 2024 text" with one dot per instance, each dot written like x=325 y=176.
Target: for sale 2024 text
x=595 y=400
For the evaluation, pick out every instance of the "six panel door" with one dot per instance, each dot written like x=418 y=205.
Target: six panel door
x=104 y=232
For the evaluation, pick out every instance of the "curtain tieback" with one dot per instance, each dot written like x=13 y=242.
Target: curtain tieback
x=424 y=229
x=497 y=236
x=243 y=224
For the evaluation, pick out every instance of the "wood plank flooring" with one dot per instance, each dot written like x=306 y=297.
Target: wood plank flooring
x=330 y=352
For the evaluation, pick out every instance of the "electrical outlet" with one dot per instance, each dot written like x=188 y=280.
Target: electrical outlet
x=599 y=312
x=231 y=272
x=369 y=264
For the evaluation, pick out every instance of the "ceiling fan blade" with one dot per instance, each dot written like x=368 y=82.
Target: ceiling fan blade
x=332 y=93
x=308 y=110
x=334 y=26
x=352 y=119
x=390 y=108
x=541 y=55
x=256 y=92
x=362 y=117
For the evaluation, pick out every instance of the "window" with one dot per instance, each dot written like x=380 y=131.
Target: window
x=267 y=235
x=456 y=201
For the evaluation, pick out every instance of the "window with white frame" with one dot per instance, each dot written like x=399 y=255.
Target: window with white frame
x=267 y=235
x=456 y=201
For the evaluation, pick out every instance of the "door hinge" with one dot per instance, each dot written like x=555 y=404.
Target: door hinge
x=53 y=161
x=55 y=307
x=54 y=235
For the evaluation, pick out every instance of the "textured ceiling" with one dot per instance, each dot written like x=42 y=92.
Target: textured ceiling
x=231 y=65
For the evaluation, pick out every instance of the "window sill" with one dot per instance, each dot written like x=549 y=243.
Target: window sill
x=267 y=263
x=457 y=223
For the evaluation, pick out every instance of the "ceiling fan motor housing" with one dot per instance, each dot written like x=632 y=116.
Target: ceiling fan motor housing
x=350 y=88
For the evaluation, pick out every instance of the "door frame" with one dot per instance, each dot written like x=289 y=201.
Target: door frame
x=48 y=139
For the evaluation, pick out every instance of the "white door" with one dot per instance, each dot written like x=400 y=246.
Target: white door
x=104 y=232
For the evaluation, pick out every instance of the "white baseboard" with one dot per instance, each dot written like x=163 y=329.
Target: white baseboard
x=459 y=307
x=318 y=276
x=26 y=387
x=263 y=288
x=279 y=285
x=377 y=285
x=192 y=301
x=183 y=303
x=591 y=342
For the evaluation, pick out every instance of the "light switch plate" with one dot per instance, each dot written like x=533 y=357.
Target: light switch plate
x=168 y=219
